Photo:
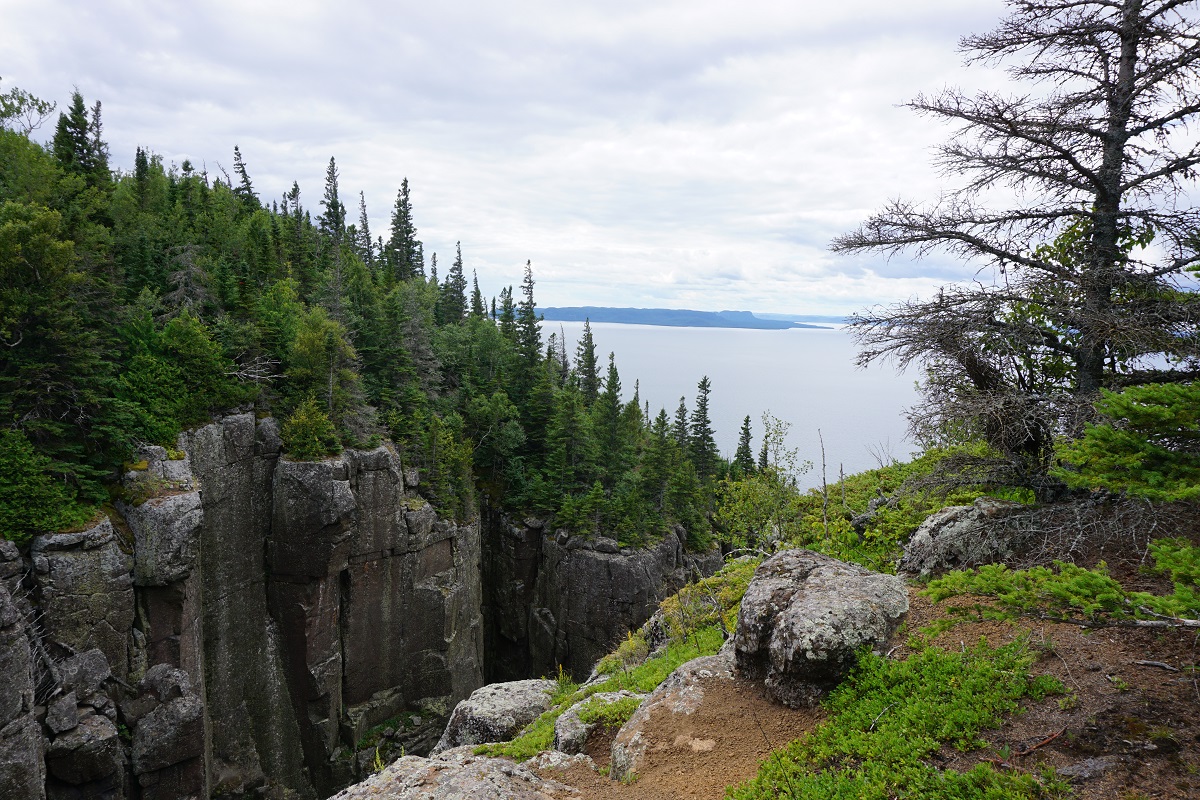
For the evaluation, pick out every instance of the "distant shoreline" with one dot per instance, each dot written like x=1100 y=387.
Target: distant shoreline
x=685 y=318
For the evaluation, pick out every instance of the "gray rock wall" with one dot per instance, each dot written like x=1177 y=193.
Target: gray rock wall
x=237 y=629
x=377 y=600
x=555 y=599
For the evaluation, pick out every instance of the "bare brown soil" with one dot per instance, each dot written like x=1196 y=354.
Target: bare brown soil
x=696 y=757
x=1137 y=723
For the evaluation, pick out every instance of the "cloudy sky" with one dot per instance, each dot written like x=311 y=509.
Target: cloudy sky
x=656 y=153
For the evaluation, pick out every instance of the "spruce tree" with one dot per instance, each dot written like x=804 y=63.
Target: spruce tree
x=703 y=441
x=245 y=188
x=477 y=309
x=679 y=429
x=585 y=365
x=363 y=243
x=743 y=459
x=404 y=257
x=452 y=295
x=333 y=221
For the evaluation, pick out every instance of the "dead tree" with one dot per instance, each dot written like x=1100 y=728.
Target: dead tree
x=1078 y=281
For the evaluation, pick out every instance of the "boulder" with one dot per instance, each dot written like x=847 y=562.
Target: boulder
x=496 y=713
x=456 y=775
x=986 y=532
x=170 y=734
x=84 y=673
x=804 y=618
x=89 y=752
x=63 y=714
x=681 y=694
x=571 y=733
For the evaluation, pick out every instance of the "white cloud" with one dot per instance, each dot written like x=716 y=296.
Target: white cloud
x=696 y=154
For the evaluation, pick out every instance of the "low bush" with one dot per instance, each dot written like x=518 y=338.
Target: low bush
x=889 y=717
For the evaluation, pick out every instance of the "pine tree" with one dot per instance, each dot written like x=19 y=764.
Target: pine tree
x=743 y=459
x=585 y=365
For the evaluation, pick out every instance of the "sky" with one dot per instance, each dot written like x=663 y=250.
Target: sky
x=656 y=153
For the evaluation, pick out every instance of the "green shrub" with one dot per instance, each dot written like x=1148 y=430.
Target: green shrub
x=308 y=434
x=609 y=715
x=888 y=717
x=1067 y=590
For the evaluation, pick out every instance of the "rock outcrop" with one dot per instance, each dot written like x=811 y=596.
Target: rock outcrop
x=555 y=599
x=496 y=713
x=456 y=775
x=804 y=618
x=986 y=532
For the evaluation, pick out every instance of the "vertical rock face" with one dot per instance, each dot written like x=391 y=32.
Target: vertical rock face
x=378 y=601
x=255 y=739
x=22 y=765
x=568 y=600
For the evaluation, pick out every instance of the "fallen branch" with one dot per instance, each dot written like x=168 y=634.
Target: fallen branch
x=1027 y=750
x=1159 y=664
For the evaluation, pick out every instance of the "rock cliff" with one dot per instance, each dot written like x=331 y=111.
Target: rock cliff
x=236 y=629
x=555 y=599
x=249 y=625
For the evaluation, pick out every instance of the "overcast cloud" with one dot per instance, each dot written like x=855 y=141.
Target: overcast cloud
x=693 y=154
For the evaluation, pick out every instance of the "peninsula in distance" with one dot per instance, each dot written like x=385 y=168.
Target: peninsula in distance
x=684 y=318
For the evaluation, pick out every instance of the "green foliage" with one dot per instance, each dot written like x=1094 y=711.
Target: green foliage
x=609 y=715
x=693 y=629
x=1148 y=446
x=889 y=717
x=31 y=500
x=308 y=434
x=1071 y=591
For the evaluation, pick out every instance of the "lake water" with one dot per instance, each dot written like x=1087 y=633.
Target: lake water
x=803 y=376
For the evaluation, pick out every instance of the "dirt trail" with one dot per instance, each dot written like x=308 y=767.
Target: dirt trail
x=1141 y=721
x=696 y=757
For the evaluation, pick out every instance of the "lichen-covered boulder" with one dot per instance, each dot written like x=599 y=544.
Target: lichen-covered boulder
x=571 y=732
x=804 y=618
x=988 y=531
x=456 y=775
x=681 y=694
x=496 y=713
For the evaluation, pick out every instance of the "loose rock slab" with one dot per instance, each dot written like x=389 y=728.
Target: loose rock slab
x=456 y=775
x=496 y=713
x=804 y=618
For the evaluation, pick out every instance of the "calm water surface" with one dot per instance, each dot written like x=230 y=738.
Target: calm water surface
x=806 y=377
